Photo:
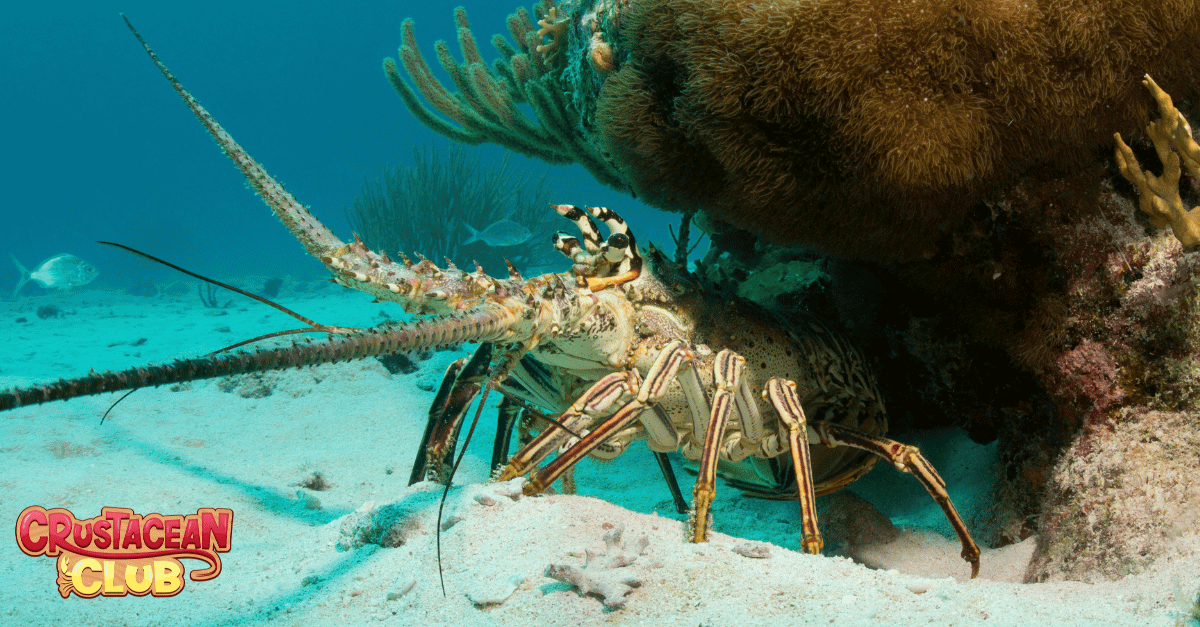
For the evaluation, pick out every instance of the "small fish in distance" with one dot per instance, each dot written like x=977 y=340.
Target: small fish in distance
x=502 y=233
x=59 y=271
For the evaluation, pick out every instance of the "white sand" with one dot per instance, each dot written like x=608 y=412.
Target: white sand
x=172 y=452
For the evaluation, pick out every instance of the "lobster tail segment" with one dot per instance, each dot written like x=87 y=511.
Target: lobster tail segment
x=486 y=324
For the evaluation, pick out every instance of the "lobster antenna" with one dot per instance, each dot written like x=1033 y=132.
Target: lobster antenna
x=500 y=371
x=110 y=407
x=314 y=327
x=450 y=480
x=213 y=281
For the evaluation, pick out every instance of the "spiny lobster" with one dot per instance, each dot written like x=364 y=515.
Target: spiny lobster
x=621 y=347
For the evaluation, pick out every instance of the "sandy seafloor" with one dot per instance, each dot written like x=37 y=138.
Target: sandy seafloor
x=172 y=452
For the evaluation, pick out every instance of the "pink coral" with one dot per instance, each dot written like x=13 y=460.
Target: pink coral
x=1089 y=371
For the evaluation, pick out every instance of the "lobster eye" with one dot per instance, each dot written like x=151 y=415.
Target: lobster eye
x=618 y=240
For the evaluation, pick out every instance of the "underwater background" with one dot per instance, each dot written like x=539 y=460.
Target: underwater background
x=98 y=147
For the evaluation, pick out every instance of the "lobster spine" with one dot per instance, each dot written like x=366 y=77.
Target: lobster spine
x=482 y=325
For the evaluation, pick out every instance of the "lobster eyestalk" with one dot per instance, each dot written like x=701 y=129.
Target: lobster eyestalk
x=492 y=323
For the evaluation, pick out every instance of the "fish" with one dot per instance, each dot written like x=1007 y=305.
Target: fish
x=59 y=271
x=501 y=233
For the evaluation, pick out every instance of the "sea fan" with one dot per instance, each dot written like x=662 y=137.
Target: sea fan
x=422 y=208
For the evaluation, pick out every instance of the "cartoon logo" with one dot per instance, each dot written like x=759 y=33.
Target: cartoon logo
x=119 y=552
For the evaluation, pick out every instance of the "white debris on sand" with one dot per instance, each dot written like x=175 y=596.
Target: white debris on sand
x=606 y=575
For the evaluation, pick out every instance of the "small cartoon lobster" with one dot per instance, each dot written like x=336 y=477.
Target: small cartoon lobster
x=619 y=348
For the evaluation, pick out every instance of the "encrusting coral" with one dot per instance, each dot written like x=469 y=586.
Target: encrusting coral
x=1125 y=503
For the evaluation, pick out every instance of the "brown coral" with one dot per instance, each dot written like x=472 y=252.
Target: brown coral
x=555 y=28
x=868 y=128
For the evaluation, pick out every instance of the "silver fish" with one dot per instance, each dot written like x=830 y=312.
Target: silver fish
x=59 y=271
x=502 y=233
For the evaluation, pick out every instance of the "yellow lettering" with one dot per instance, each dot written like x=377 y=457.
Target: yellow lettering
x=166 y=577
x=111 y=586
x=87 y=563
x=131 y=579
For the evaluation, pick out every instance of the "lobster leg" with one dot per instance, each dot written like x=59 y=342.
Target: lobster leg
x=613 y=387
x=508 y=415
x=782 y=395
x=446 y=417
x=661 y=374
x=420 y=469
x=664 y=464
x=727 y=373
x=906 y=459
x=597 y=399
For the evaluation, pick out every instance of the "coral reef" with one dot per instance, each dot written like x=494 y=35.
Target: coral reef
x=1172 y=138
x=1125 y=502
x=1112 y=348
x=423 y=209
x=315 y=481
x=270 y=287
x=208 y=296
x=404 y=363
x=486 y=107
x=1109 y=342
x=256 y=385
x=1062 y=322
x=388 y=525
x=49 y=311
x=867 y=129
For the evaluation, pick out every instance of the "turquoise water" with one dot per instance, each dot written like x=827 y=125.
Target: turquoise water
x=100 y=148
